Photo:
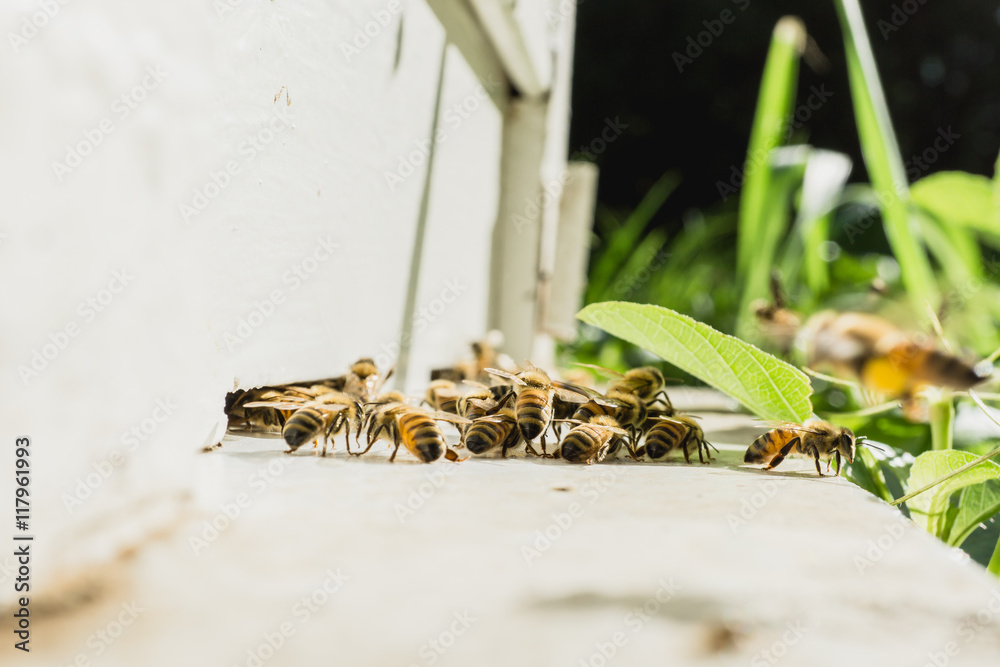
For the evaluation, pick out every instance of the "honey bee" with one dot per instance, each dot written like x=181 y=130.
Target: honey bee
x=628 y=410
x=533 y=407
x=592 y=441
x=324 y=417
x=883 y=358
x=485 y=355
x=816 y=438
x=665 y=433
x=363 y=379
x=246 y=418
x=442 y=395
x=645 y=382
x=480 y=400
x=488 y=432
x=411 y=427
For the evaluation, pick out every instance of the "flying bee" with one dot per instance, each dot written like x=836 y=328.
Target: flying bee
x=880 y=356
x=816 y=438
x=442 y=395
x=491 y=431
x=324 y=416
x=411 y=427
x=363 y=379
x=665 y=433
x=591 y=441
x=535 y=391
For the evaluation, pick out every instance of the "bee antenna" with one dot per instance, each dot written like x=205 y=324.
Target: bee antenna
x=865 y=442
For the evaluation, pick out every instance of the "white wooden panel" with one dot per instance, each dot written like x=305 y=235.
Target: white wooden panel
x=452 y=294
x=156 y=335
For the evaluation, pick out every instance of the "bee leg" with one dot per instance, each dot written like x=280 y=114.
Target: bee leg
x=395 y=438
x=840 y=466
x=544 y=453
x=639 y=452
x=528 y=449
x=819 y=470
x=783 y=453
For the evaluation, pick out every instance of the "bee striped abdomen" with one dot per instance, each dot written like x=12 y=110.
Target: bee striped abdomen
x=485 y=435
x=534 y=412
x=766 y=446
x=662 y=438
x=949 y=371
x=579 y=444
x=302 y=426
x=591 y=409
x=421 y=436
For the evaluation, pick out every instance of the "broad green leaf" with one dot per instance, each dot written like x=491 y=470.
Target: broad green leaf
x=867 y=473
x=976 y=504
x=930 y=509
x=958 y=198
x=881 y=152
x=767 y=386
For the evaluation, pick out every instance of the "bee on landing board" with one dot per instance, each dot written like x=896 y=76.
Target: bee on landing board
x=535 y=392
x=817 y=439
x=666 y=433
x=442 y=396
x=645 y=382
x=591 y=442
x=321 y=418
x=488 y=432
x=364 y=379
x=416 y=429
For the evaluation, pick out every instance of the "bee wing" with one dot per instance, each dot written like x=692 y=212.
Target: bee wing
x=788 y=426
x=573 y=393
x=504 y=374
x=606 y=371
x=477 y=385
x=609 y=402
x=496 y=419
x=448 y=417
x=277 y=405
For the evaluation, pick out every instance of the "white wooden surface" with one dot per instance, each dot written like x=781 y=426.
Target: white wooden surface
x=258 y=189
x=519 y=562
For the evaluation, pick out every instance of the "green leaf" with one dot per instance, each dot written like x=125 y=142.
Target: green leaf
x=976 y=504
x=867 y=473
x=930 y=509
x=882 y=157
x=767 y=386
x=958 y=198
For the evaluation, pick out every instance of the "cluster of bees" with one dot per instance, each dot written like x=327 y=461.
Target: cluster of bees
x=501 y=409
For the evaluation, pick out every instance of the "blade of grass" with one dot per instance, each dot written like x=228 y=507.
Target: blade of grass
x=774 y=106
x=882 y=157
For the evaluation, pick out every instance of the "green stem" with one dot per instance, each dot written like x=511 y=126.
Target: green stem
x=953 y=473
x=942 y=417
x=994 y=565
